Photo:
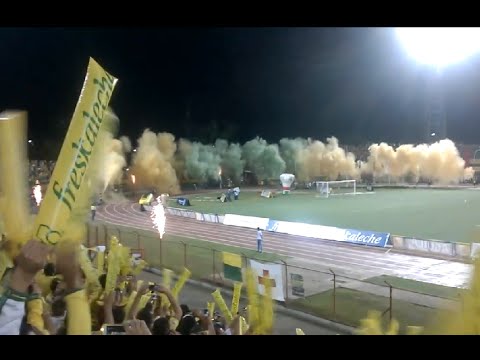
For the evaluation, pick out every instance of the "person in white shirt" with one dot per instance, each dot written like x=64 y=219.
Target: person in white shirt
x=259 y=240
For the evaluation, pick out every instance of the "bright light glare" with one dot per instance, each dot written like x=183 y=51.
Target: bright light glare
x=439 y=46
x=37 y=193
x=158 y=217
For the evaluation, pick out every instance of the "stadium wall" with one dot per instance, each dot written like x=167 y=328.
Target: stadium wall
x=435 y=247
x=359 y=237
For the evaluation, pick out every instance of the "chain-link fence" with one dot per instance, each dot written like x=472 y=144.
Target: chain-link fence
x=322 y=293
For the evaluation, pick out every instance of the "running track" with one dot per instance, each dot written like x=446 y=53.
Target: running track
x=358 y=262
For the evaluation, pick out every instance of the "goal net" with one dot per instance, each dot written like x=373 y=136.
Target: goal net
x=332 y=188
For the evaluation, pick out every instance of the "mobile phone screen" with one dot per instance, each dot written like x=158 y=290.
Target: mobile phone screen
x=114 y=330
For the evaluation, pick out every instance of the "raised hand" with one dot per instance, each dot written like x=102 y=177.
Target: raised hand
x=136 y=327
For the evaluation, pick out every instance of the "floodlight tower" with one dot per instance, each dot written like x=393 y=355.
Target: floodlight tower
x=438 y=48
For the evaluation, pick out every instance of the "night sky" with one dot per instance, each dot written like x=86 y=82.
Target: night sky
x=236 y=83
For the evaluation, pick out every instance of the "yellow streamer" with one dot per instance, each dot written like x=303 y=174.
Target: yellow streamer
x=139 y=267
x=100 y=262
x=113 y=266
x=237 y=291
x=13 y=178
x=181 y=282
x=125 y=260
x=266 y=318
x=217 y=296
x=34 y=315
x=211 y=308
x=253 y=310
x=167 y=277
x=130 y=301
x=414 y=330
x=67 y=186
x=143 y=301
x=87 y=267
x=5 y=263
x=243 y=325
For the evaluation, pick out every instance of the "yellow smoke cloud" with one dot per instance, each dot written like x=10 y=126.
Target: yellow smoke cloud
x=127 y=144
x=153 y=162
x=329 y=160
x=439 y=162
x=114 y=161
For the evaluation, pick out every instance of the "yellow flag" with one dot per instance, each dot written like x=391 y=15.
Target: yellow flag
x=67 y=183
x=13 y=177
x=231 y=259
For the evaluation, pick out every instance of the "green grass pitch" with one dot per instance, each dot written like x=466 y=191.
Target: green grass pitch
x=451 y=215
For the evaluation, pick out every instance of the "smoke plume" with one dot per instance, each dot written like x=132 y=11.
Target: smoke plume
x=439 y=162
x=114 y=161
x=202 y=163
x=263 y=159
x=325 y=160
x=153 y=162
x=290 y=150
x=232 y=163
x=127 y=144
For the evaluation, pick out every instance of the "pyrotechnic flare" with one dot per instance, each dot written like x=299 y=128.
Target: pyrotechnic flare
x=158 y=217
x=37 y=193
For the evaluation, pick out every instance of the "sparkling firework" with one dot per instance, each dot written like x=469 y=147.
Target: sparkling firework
x=37 y=193
x=158 y=217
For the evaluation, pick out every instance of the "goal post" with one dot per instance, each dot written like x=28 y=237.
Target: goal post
x=340 y=187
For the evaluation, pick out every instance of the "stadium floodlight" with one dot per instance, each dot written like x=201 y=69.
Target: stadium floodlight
x=440 y=47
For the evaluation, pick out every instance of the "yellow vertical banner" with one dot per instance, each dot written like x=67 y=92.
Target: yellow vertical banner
x=14 y=207
x=67 y=185
x=237 y=291
x=181 y=282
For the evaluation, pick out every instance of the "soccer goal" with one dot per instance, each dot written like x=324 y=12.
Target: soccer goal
x=341 y=187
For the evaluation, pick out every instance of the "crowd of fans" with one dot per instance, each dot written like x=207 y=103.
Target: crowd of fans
x=44 y=291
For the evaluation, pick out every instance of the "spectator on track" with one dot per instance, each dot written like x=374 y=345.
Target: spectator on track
x=259 y=240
